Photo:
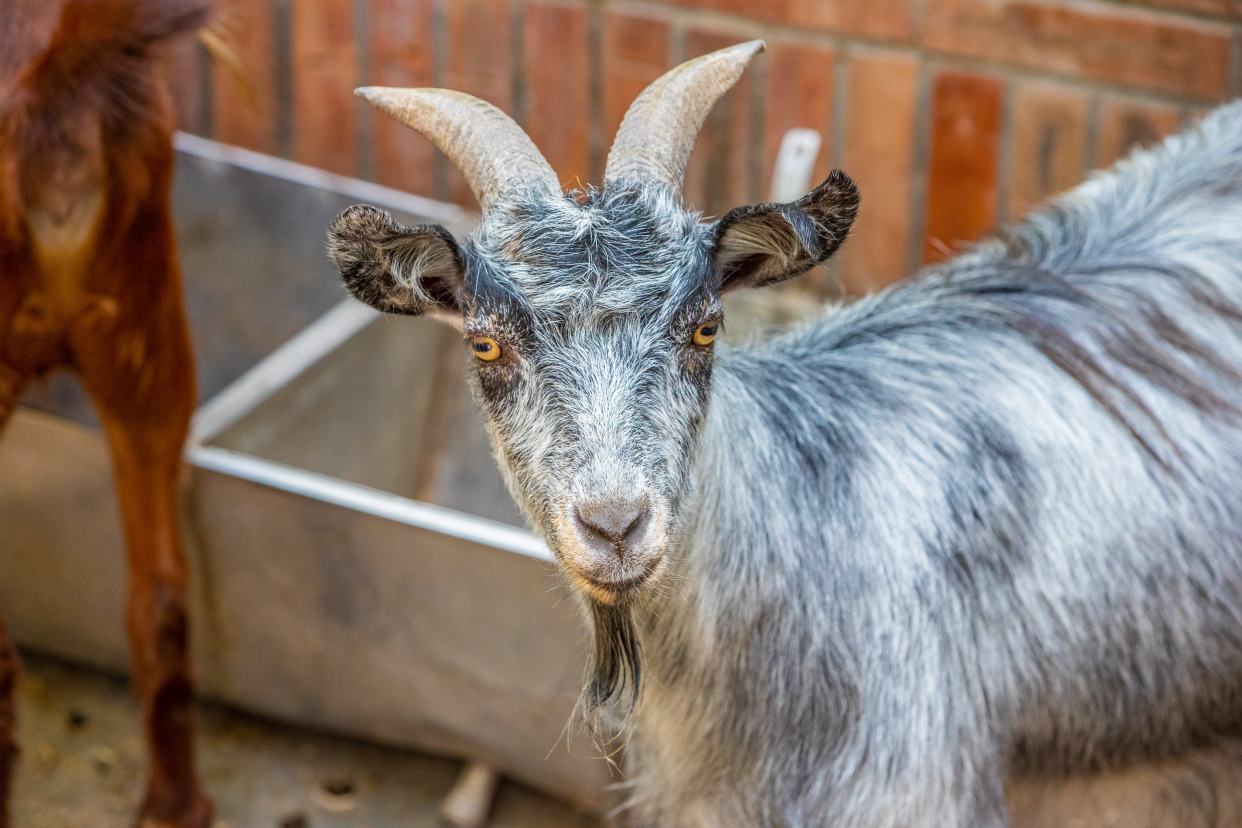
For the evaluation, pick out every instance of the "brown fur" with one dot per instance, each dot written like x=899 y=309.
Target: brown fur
x=89 y=280
x=8 y=747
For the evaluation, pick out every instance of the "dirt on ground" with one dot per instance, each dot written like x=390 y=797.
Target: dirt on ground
x=83 y=764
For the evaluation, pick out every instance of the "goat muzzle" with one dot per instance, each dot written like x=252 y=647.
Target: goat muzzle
x=613 y=546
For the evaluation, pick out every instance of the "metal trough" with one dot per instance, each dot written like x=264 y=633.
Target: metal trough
x=343 y=601
x=358 y=564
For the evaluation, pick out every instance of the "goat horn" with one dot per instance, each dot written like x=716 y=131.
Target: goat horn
x=658 y=132
x=496 y=156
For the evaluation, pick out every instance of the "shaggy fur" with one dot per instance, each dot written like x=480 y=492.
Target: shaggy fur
x=982 y=523
x=89 y=281
x=81 y=95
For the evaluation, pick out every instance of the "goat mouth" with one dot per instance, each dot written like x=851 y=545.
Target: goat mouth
x=612 y=592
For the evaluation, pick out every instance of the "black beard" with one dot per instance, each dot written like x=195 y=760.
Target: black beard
x=615 y=676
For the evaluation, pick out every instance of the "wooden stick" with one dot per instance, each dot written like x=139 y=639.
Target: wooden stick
x=470 y=801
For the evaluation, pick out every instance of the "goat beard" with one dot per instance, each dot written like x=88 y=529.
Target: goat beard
x=614 y=680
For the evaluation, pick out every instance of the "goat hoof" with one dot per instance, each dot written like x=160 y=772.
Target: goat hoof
x=198 y=814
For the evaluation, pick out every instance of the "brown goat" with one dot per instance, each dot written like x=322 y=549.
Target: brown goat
x=89 y=280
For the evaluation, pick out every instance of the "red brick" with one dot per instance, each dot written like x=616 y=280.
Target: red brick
x=884 y=19
x=799 y=94
x=1193 y=115
x=965 y=143
x=1218 y=8
x=635 y=52
x=246 y=115
x=402 y=55
x=1049 y=144
x=184 y=71
x=883 y=94
x=1125 y=125
x=1104 y=43
x=557 y=72
x=325 y=118
x=718 y=177
x=479 y=63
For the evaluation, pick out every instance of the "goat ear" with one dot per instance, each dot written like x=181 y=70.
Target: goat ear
x=767 y=243
x=393 y=268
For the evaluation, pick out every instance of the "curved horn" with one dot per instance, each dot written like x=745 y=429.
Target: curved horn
x=496 y=156
x=658 y=132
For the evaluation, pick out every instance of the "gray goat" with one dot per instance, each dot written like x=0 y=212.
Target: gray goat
x=986 y=522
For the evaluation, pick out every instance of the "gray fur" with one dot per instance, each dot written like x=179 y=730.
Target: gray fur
x=984 y=522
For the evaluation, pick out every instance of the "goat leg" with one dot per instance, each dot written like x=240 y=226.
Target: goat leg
x=9 y=666
x=11 y=383
x=140 y=376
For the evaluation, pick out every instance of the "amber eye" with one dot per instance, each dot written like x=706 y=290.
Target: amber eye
x=704 y=334
x=485 y=348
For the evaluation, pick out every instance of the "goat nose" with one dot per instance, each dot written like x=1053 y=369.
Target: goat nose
x=616 y=520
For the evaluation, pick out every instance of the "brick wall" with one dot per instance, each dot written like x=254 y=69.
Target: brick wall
x=953 y=115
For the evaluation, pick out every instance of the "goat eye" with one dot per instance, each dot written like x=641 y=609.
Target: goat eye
x=705 y=334
x=485 y=348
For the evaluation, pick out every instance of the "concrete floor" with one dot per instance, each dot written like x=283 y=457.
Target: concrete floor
x=83 y=766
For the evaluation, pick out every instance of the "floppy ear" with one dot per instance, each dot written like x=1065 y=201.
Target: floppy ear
x=768 y=243
x=396 y=269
